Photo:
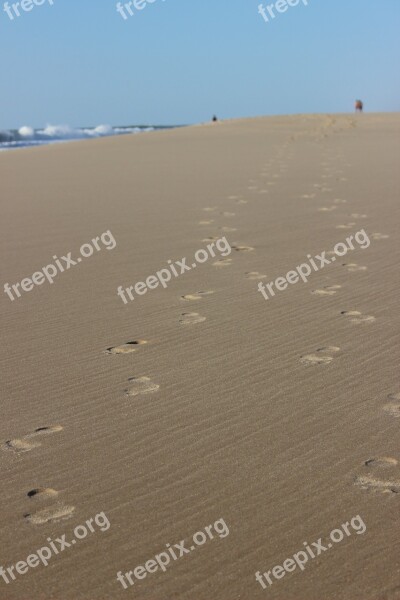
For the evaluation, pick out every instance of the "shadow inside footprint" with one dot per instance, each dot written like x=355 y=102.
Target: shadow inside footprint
x=126 y=348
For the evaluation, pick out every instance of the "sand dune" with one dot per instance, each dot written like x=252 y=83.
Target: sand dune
x=202 y=400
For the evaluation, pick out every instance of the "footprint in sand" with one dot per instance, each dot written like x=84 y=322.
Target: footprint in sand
x=353 y=267
x=263 y=192
x=228 y=229
x=326 y=189
x=210 y=208
x=308 y=196
x=206 y=222
x=210 y=239
x=228 y=214
x=358 y=216
x=328 y=290
x=242 y=248
x=29 y=441
x=379 y=236
x=233 y=197
x=393 y=407
x=42 y=493
x=191 y=318
x=141 y=385
x=196 y=295
x=53 y=514
x=339 y=201
x=126 y=348
x=222 y=262
x=327 y=208
x=345 y=226
x=252 y=187
x=255 y=275
x=380 y=474
x=357 y=318
x=322 y=356
x=241 y=201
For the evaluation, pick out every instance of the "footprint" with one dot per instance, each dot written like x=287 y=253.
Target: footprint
x=328 y=290
x=393 y=408
x=308 y=196
x=191 y=318
x=346 y=226
x=25 y=444
x=141 y=385
x=206 y=222
x=210 y=239
x=379 y=236
x=263 y=192
x=254 y=275
x=370 y=480
x=222 y=262
x=241 y=201
x=242 y=248
x=358 y=216
x=42 y=493
x=357 y=318
x=228 y=229
x=196 y=296
x=252 y=187
x=228 y=214
x=326 y=189
x=353 y=267
x=321 y=356
x=339 y=201
x=126 y=348
x=327 y=208
x=210 y=208
x=53 y=514
x=233 y=197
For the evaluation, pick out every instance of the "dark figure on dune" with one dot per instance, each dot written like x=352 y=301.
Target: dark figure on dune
x=359 y=106
x=214 y=119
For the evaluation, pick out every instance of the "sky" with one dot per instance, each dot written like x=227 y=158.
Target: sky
x=79 y=63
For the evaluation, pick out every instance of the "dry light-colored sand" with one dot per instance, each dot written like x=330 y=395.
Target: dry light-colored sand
x=278 y=416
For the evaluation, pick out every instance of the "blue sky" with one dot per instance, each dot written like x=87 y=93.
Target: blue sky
x=80 y=63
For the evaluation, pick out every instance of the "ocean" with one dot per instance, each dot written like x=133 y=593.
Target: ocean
x=28 y=136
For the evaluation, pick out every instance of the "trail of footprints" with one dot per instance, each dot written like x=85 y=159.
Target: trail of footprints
x=379 y=474
x=37 y=496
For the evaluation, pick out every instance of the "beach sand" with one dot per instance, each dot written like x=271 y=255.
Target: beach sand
x=247 y=424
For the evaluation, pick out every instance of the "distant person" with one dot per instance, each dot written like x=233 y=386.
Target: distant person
x=214 y=119
x=359 y=106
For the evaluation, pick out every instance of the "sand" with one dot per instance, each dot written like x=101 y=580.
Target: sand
x=222 y=414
